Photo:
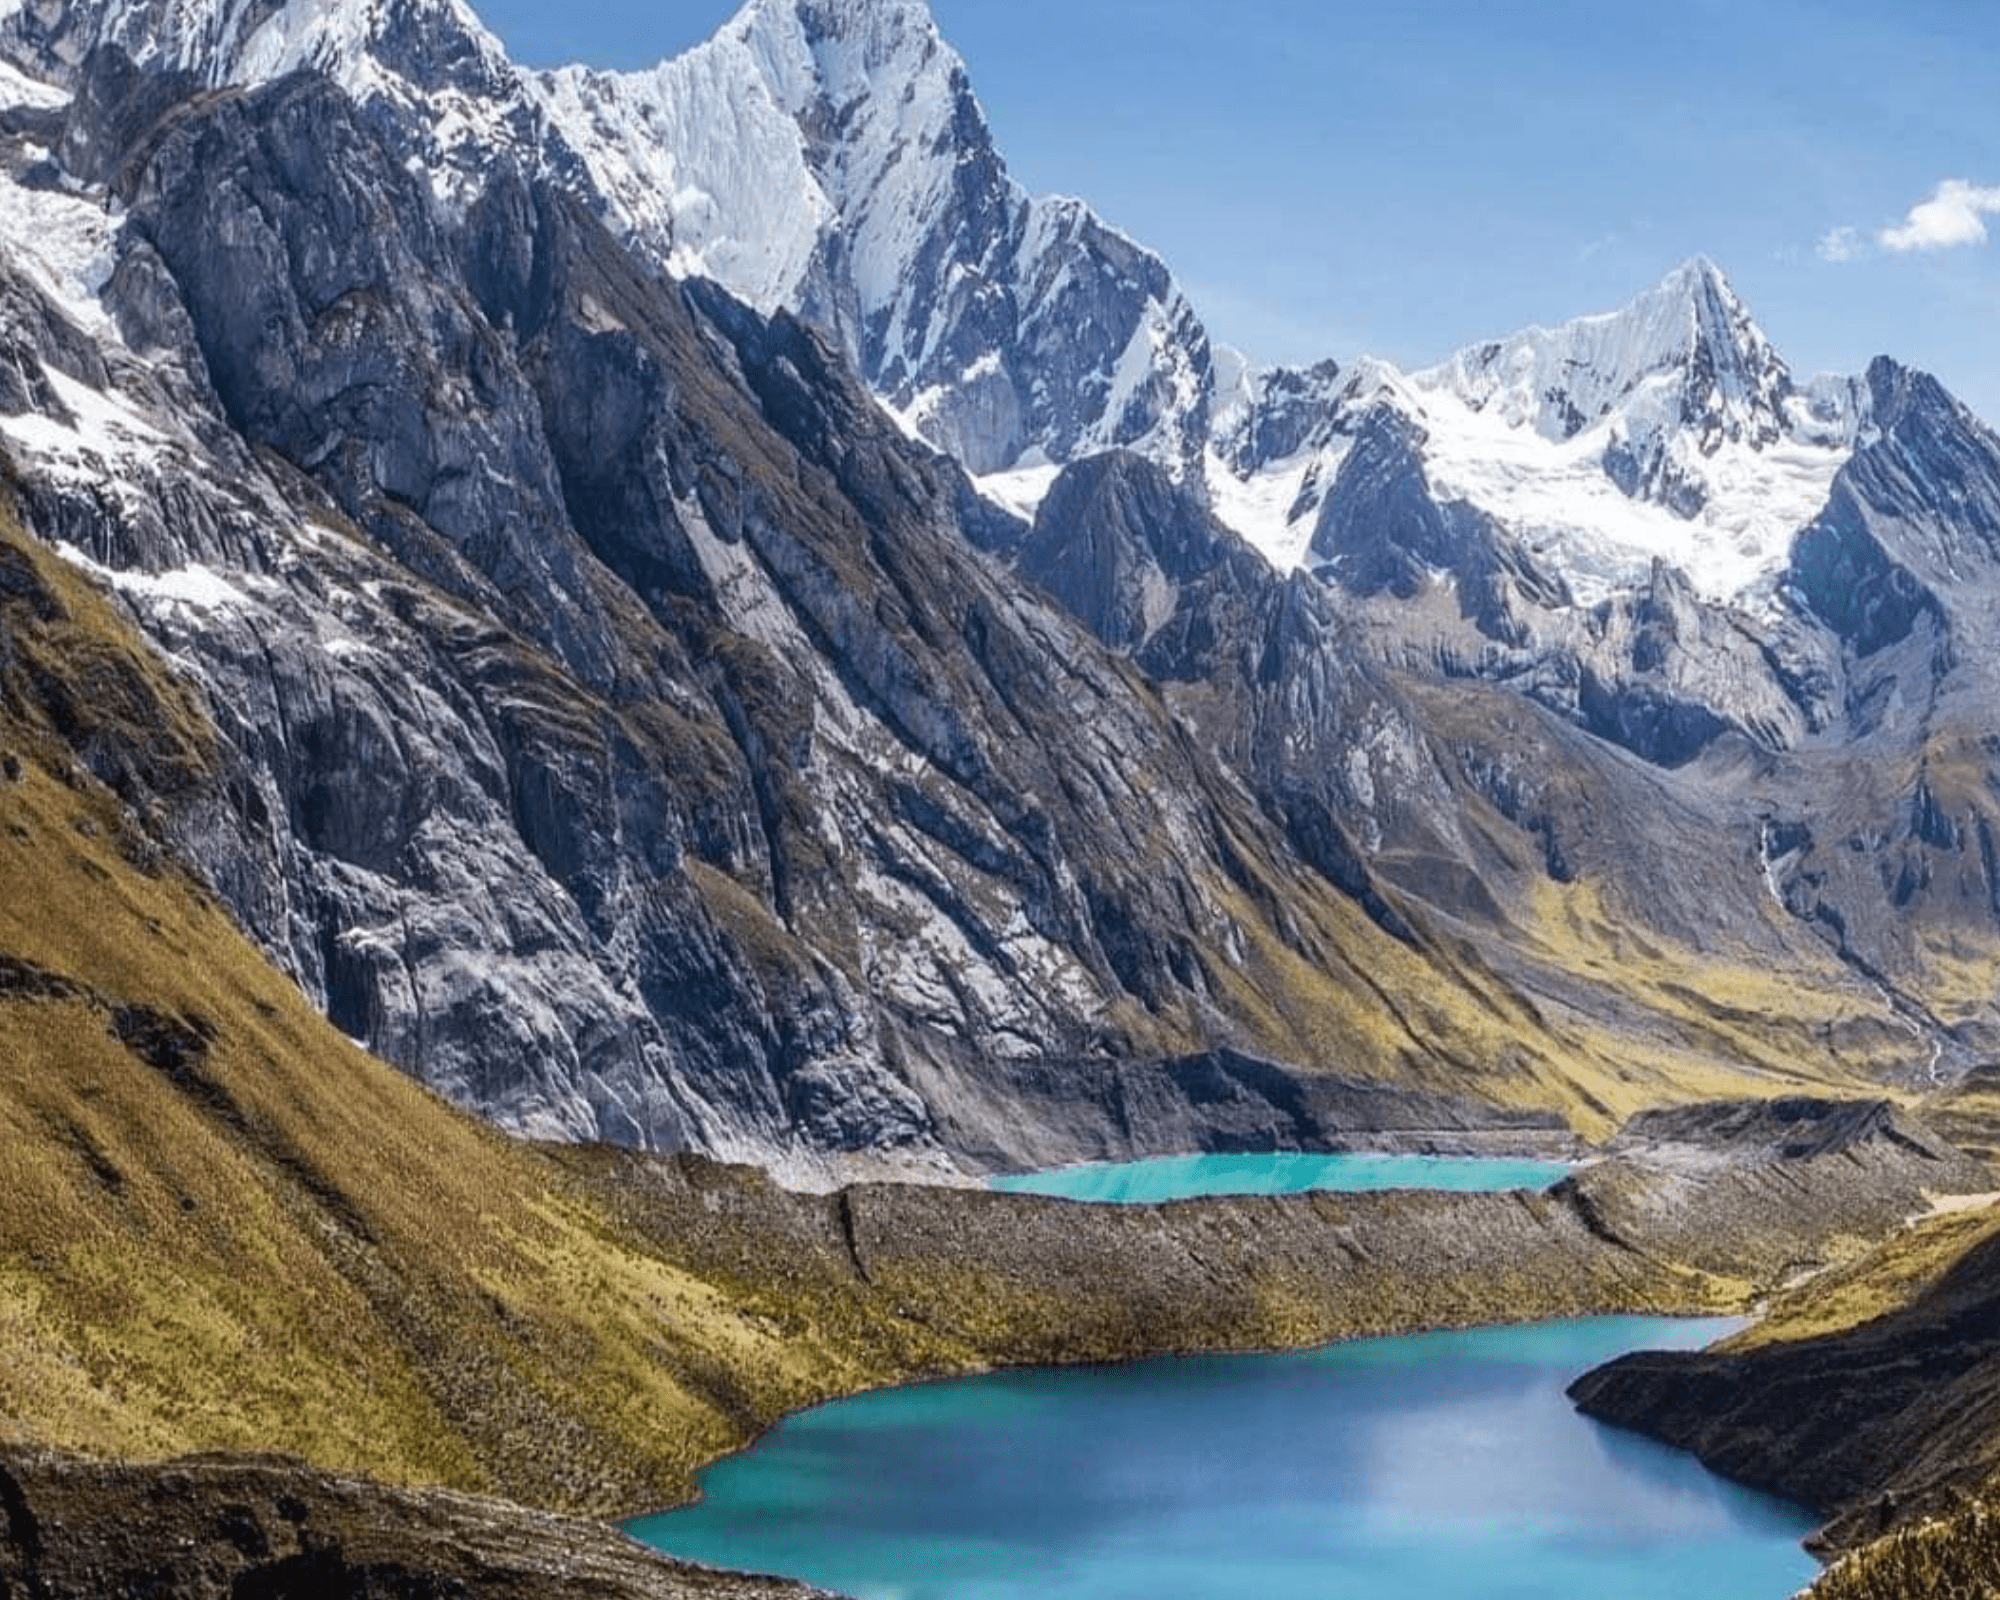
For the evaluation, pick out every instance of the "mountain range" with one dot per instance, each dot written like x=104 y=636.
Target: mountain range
x=684 y=610
x=723 y=623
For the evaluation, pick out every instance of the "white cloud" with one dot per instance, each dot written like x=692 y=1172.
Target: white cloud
x=1955 y=215
x=1843 y=244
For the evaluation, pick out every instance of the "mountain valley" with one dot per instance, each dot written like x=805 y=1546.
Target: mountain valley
x=689 y=615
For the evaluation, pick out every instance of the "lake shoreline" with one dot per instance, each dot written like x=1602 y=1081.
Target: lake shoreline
x=1301 y=1460
x=1218 y=1175
x=879 y=1285
x=1696 y=1214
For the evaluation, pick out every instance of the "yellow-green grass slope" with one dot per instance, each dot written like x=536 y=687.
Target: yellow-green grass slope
x=1950 y=1558
x=224 y=1226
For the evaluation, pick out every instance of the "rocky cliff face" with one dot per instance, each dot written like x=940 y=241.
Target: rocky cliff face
x=618 y=725
x=624 y=725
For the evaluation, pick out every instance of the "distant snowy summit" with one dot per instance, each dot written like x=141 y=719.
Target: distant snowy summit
x=1670 y=430
x=829 y=158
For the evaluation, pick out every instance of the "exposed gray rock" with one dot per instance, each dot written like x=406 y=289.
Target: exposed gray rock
x=1115 y=541
x=619 y=728
x=1280 y=413
x=1027 y=1115
x=1381 y=529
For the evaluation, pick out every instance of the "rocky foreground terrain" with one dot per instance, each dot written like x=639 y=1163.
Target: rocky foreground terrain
x=264 y=1528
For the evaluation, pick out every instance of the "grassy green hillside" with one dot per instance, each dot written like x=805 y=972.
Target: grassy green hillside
x=222 y=1225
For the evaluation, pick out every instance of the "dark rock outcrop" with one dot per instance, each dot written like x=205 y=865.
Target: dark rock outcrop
x=1114 y=543
x=1873 y=1426
x=267 y=1528
x=1791 y=1128
x=1381 y=529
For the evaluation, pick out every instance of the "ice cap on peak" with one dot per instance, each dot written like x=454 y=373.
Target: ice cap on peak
x=841 y=50
x=1699 y=272
x=1689 y=326
x=1718 y=313
x=846 y=12
x=881 y=30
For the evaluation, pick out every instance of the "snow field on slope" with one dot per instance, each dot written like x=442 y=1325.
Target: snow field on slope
x=698 y=157
x=1258 y=509
x=63 y=243
x=1557 y=499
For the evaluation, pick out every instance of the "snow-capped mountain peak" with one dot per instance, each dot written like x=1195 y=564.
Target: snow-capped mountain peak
x=823 y=156
x=829 y=156
x=1670 y=430
x=1690 y=329
x=362 y=44
x=725 y=160
x=847 y=51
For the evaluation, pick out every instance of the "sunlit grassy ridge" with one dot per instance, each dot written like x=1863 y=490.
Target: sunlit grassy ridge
x=222 y=1225
x=1950 y=1558
x=1892 y=1275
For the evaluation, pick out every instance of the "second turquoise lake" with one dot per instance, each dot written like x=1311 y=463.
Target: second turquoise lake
x=1281 y=1172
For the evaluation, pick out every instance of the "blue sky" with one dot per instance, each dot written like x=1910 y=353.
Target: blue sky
x=1329 y=178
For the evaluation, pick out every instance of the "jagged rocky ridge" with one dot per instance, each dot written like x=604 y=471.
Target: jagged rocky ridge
x=822 y=156
x=617 y=724
x=623 y=730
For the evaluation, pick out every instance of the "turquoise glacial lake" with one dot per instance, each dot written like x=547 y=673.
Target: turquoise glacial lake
x=1282 y=1172
x=1446 y=1466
